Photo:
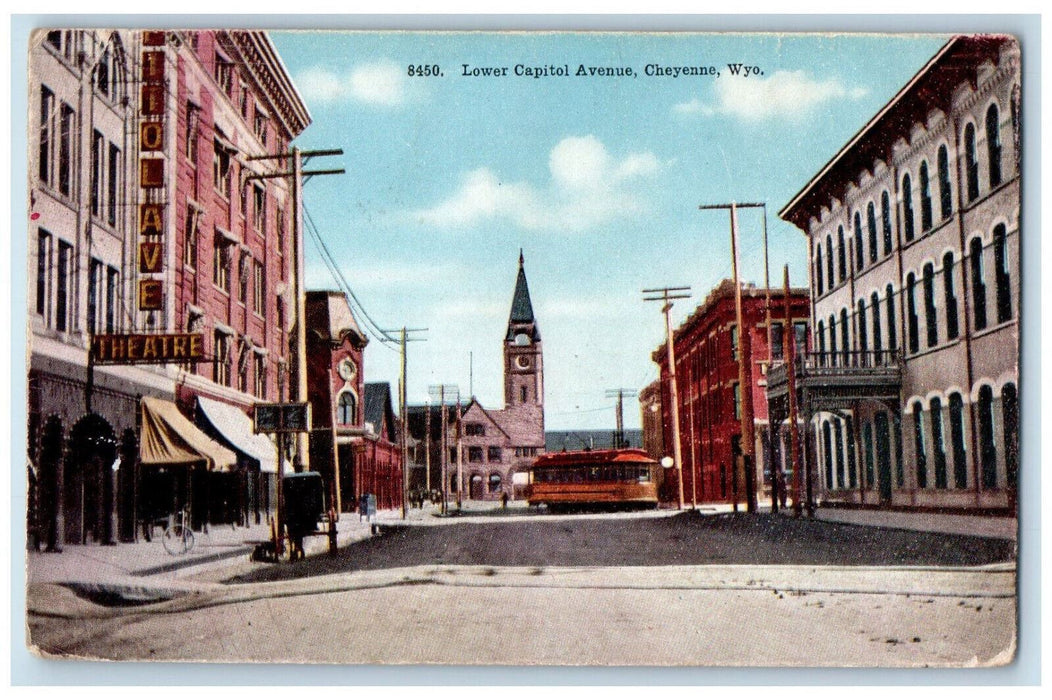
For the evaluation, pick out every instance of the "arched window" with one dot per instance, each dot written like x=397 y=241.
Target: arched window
x=874 y=305
x=918 y=445
x=818 y=269
x=907 y=207
x=1003 y=278
x=925 y=195
x=1010 y=406
x=845 y=345
x=975 y=255
x=827 y=443
x=960 y=452
x=821 y=339
x=838 y=439
x=912 y=331
x=829 y=260
x=867 y=447
x=863 y=336
x=987 y=447
x=945 y=195
x=951 y=296
x=347 y=409
x=494 y=483
x=832 y=340
x=938 y=445
x=971 y=162
x=841 y=253
x=993 y=145
x=871 y=224
x=885 y=220
x=930 y=315
x=889 y=301
x=860 y=257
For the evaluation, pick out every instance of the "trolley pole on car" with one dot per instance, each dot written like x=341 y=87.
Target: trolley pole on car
x=403 y=412
x=666 y=295
x=619 y=394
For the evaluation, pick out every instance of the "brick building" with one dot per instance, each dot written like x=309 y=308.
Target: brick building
x=496 y=446
x=911 y=395
x=353 y=442
x=142 y=222
x=707 y=351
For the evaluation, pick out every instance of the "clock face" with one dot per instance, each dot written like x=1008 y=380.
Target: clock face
x=523 y=362
x=346 y=369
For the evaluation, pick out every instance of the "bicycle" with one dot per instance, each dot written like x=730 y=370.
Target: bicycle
x=178 y=538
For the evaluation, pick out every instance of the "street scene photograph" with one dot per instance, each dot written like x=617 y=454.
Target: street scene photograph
x=521 y=349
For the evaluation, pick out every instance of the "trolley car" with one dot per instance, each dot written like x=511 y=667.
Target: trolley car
x=624 y=478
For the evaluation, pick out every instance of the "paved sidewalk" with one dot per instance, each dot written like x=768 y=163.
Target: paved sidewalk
x=977 y=525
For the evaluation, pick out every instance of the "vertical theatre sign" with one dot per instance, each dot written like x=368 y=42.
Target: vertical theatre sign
x=152 y=172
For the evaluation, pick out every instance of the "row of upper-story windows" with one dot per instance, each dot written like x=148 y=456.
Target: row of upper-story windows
x=237 y=88
x=249 y=374
x=922 y=296
x=56 y=288
x=930 y=196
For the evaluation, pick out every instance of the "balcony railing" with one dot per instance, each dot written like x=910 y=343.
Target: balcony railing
x=849 y=359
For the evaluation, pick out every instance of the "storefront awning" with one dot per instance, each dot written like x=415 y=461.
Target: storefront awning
x=236 y=428
x=169 y=438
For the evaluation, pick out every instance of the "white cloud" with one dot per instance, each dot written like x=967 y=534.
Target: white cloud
x=786 y=94
x=587 y=188
x=381 y=83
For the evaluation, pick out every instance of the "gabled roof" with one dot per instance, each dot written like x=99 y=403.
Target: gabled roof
x=473 y=404
x=379 y=410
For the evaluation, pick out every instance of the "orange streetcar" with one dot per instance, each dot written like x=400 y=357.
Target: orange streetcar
x=602 y=478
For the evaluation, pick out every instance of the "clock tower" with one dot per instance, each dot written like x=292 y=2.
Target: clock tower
x=523 y=358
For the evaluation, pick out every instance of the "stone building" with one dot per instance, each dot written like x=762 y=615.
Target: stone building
x=911 y=391
x=487 y=452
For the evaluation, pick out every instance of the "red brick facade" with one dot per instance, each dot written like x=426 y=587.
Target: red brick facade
x=707 y=377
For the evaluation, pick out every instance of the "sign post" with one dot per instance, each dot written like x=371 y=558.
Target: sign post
x=281 y=419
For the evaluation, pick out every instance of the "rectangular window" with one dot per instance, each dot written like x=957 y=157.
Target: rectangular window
x=475 y=430
x=112 y=282
x=113 y=184
x=221 y=263
x=261 y=376
x=65 y=149
x=97 y=149
x=193 y=219
x=62 y=275
x=279 y=228
x=221 y=373
x=243 y=265
x=777 y=340
x=493 y=453
x=47 y=108
x=800 y=336
x=259 y=125
x=734 y=343
x=43 y=274
x=221 y=168
x=244 y=364
x=224 y=73
x=737 y=401
x=474 y=454
x=193 y=131
x=94 y=286
x=259 y=208
x=259 y=287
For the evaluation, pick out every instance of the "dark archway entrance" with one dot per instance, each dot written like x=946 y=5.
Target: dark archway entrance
x=89 y=482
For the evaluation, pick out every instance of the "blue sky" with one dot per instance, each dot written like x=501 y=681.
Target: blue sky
x=597 y=179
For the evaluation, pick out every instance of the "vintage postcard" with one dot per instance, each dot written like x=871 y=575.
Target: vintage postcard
x=523 y=348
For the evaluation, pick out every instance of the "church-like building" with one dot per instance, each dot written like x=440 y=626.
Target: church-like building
x=496 y=447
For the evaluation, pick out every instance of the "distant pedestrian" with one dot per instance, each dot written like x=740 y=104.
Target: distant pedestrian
x=504 y=500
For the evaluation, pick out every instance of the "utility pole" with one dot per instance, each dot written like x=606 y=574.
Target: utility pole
x=427 y=449
x=789 y=343
x=299 y=351
x=666 y=295
x=748 y=423
x=619 y=435
x=403 y=411
x=439 y=391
